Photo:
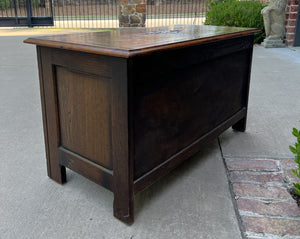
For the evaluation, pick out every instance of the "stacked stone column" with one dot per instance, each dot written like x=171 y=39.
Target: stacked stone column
x=132 y=13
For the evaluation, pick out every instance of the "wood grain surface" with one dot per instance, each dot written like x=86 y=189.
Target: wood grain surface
x=124 y=42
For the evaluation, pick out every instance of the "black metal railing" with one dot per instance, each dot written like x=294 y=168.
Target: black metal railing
x=26 y=13
x=97 y=13
x=167 y=12
x=86 y=13
x=104 y=13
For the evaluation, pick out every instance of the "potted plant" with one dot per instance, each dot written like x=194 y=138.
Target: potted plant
x=295 y=149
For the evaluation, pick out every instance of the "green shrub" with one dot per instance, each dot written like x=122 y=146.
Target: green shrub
x=236 y=14
x=4 y=4
x=295 y=149
x=35 y=3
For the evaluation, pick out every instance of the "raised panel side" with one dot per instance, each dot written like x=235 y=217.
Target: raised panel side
x=83 y=102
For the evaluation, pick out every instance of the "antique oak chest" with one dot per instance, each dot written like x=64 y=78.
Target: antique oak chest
x=124 y=107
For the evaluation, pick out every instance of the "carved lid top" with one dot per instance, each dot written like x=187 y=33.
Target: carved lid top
x=127 y=42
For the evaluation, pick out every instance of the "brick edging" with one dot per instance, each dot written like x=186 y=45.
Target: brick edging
x=259 y=188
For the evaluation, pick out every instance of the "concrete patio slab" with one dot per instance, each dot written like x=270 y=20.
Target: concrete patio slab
x=25 y=31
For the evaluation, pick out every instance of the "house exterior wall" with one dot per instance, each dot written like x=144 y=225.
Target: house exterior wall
x=291 y=17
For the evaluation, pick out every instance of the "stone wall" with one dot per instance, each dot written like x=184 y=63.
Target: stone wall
x=291 y=17
x=132 y=13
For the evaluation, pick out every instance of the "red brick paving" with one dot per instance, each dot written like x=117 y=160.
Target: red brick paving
x=274 y=226
x=261 y=191
x=289 y=176
x=286 y=166
x=244 y=176
x=271 y=208
x=264 y=204
x=287 y=163
x=252 y=164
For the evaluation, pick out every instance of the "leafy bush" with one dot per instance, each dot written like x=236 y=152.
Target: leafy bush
x=35 y=3
x=296 y=150
x=236 y=14
x=4 y=4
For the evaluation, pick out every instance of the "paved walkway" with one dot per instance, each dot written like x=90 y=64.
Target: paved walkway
x=24 y=31
x=260 y=188
x=193 y=201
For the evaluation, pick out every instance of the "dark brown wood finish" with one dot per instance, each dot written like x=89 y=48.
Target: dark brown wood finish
x=165 y=167
x=84 y=131
x=122 y=162
x=86 y=168
x=241 y=124
x=174 y=94
x=130 y=42
x=56 y=171
x=62 y=174
x=123 y=108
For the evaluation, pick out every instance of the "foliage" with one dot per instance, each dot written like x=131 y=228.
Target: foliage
x=35 y=3
x=235 y=13
x=296 y=150
x=4 y=4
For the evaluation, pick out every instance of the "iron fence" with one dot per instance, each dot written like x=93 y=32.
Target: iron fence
x=25 y=12
x=167 y=12
x=100 y=13
x=104 y=13
x=86 y=13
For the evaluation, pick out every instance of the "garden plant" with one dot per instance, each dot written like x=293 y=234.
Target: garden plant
x=295 y=149
x=235 y=13
x=4 y=4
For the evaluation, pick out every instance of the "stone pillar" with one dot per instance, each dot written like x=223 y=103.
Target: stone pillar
x=132 y=13
x=291 y=16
